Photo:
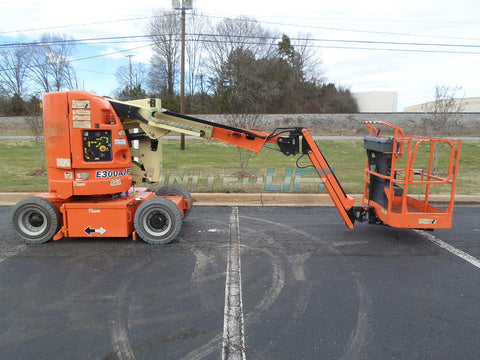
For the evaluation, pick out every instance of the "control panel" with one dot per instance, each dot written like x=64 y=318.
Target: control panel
x=97 y=145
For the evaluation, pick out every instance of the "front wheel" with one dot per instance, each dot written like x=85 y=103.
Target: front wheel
x=158 y=221
x=35 y=220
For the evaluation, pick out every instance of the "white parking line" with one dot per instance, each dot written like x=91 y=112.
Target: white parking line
x=233 y=346
x=467 y=257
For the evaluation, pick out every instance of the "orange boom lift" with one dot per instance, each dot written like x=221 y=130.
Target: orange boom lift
x=97 y=148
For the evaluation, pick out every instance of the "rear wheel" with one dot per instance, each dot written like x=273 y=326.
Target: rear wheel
x=176 y=190
x=158 y=221
x=35 y=220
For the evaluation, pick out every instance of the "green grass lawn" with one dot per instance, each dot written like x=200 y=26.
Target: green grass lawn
x=207 y=166
x=219 y=162
x=17 y=159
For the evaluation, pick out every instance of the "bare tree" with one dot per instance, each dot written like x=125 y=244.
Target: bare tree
x=157 y=78
x=306 y=60
x=165 y=30
x=34 y=120
x=240 y=33
x=50 y=63
x=136 y=79
x=243 y=93
x=442 y=115
x=195 y=52
x=13 y=70
x=243 y=121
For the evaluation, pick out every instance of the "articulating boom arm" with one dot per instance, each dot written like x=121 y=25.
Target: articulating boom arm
x=155 y=122
x=343 y=202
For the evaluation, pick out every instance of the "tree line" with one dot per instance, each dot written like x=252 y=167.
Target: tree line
x=28 y=70
x=235 y=66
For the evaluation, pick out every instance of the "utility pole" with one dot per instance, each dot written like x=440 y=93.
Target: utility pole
x=130 y=60
x=182 y=5
x=182 y=78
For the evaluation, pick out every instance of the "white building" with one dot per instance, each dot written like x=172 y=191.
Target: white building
x=376 y=101
x=465 y=104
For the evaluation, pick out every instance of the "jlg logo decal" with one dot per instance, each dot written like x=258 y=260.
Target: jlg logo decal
x=105 y=174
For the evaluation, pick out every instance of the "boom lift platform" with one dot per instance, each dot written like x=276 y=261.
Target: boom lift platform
x=93 y=161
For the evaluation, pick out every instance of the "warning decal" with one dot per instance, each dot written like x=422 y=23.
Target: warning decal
x=82 y=114
x=427 y=221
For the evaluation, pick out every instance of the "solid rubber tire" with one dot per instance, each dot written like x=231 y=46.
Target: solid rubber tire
x=158 y=211
x=27 y=211
x=176 y=190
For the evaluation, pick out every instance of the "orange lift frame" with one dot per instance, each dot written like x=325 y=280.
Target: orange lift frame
x=91 y=168
x=413 y=211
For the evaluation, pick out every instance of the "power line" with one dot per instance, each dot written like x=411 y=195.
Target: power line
x=111 y=53
x=398 y=50
x=89 y=57
x=343 y=40
x=341 y=29
x=214 y=38
x=68 y=41
x=94 y=72
x=110 y=39
x=357 y=48
x=246 y=19
x=76 y=25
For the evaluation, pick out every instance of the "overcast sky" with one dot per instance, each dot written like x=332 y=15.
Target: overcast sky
x=404 y=46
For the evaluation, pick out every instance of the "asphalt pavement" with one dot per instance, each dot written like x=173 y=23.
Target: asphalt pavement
x=247 y=282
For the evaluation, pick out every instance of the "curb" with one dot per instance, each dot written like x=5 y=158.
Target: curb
x=13 y=198
x=276 y=199
x=264 y=199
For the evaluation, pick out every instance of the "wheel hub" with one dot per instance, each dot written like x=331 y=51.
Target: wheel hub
x=32 y=222
x=157 y=221
x=36 y=220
